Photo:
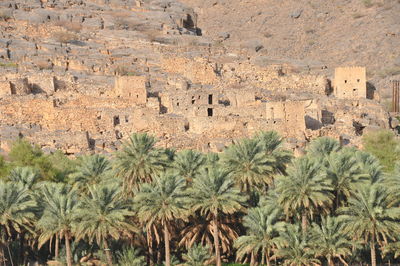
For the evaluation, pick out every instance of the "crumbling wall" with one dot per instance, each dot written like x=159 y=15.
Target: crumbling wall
x=197 y=70
x=240 y=97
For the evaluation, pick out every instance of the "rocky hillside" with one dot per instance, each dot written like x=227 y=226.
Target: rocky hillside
x=314 y=34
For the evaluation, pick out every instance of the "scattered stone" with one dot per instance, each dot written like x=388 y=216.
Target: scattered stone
x=296 y=14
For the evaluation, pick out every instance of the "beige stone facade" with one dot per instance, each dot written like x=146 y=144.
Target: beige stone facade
x=350 y=82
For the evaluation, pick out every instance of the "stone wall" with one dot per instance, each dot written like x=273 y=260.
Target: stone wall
x=132 y=88
x=198 y=70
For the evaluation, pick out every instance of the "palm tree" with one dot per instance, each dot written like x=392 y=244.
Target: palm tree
x=392 y=183
x=214 y=193
x=370 y=166
x=248 y=165
x=139 y=161
x=294 y=247
x=59 y=205
x=92 y=169
x=368 y=216
x=200 y=229
x=330 y=240
x=197 y=255
x=344 y=171
x=102 y=216
x=27 y=176
x=162 y=202
x=323 y=147
x=17 y=211
x=188 y=163
x=304 y=190
x=272 y=145
x=130 y=257
x=263 y=225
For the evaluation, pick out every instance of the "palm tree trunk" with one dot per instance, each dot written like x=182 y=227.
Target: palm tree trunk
x=2 y=257
x=68 y=249
x=56 y=248
x=373 y=253
x=330 y=262
x=21 y=248
x=150 y=247
x=268 y=259
x=304 y=221
x=262 y=257
x=108 y=253
x=216 y=241
x=343 y=261
x=166 y=240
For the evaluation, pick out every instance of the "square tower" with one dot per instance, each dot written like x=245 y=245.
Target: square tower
x=350 y=82
x=132 y=88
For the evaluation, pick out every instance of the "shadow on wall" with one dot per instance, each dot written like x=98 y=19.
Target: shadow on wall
x=371 y=91
x=328 y=87
x=312 y=123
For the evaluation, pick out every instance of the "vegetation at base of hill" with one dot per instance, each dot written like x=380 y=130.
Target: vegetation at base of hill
x=253 y=204
x=384 y=146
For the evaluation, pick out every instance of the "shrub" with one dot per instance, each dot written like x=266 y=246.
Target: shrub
x=130 y=257
x=368 y=3
x=64 y=36
x=384 y=145
x=69 y=26
x=5 y=14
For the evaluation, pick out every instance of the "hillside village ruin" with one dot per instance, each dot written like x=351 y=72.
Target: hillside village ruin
x=88 y=95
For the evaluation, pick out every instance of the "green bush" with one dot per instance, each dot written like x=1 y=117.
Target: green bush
x=384 y=145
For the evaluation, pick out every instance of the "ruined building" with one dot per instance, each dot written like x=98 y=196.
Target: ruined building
x=117 y=77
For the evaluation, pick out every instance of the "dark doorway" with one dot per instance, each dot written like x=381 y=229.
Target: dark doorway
x=210 y=99
x=209 y=111
x=116 y=120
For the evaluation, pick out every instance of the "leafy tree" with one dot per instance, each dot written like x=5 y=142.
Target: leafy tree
x=249 y=165
x=293 y=246
x=262 y=226
x=130 y=257
x=17 y=212
x=139 y=160
x=91 y=170
x=162 y=202
x=368 y=217
x=214 y=193
x=22 y=153
x=305 y=190
x=102 y=216
x=62 y=166
x=4 y=168
x=330 y=240
x=188 y=163
x=384 y=146
x=59 y=206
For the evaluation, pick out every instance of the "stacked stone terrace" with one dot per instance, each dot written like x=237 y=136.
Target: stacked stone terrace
x=81 y=76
